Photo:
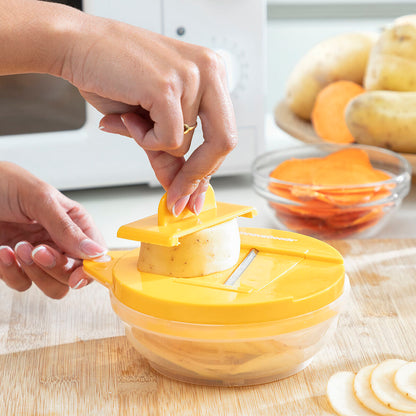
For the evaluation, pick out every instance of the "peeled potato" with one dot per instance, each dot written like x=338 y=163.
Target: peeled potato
x=384 y=389
x=341 y=396
x=382 y=384
x=204 y=252
x=405 y=380
x=365 y=395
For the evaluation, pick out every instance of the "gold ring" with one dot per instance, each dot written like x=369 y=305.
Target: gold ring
x=187 y=128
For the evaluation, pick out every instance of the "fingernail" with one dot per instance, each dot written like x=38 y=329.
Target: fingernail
x=80 y=284
x=123 y=120
x=199 y=203
x=103 y=259
x=24 y=251
x=44 y=257
x=6 y=256
x=103 y=128
x=180 y=205
x=92 y=249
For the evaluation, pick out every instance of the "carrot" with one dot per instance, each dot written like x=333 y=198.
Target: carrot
x=328 y=117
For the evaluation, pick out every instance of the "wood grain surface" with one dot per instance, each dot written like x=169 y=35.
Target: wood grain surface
x=304 y=131
x=70 y=357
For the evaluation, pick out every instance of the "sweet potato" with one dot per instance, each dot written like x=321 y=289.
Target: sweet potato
x=328 y=114
x=327 y=194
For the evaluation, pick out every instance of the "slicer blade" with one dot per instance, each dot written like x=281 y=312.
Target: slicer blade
x=235 y=276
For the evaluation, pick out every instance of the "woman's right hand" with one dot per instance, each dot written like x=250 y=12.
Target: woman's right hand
x=148 y=86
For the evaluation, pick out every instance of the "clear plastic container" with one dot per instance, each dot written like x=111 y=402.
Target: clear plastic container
x=231 y=355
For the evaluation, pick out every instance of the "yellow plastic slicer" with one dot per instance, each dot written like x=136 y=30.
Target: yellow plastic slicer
x=164 y=229
x=287 y=275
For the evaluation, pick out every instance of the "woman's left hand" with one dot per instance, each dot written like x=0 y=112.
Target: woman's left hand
x=44 y=235
x=36 y=258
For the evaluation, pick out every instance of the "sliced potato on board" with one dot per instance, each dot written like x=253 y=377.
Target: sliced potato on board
x=341 y=396
x=405 y=380
x=365 y=395
x=382 y=384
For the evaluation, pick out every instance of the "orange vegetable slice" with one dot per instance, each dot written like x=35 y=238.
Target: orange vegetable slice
x=328 y=114
x=327 y=193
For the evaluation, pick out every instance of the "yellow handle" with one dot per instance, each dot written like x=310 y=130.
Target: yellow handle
x=164 y=217
x=102 y=270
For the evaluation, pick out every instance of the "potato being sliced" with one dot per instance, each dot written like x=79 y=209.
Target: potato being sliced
x=382 y=384
x=405 y=380
x=365 y=395
x=341 y=396
x=207 y=251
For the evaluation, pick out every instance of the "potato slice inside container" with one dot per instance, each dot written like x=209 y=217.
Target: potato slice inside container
x=382 y=384
x=405 y=380
x=365 y=395
x=341 y=396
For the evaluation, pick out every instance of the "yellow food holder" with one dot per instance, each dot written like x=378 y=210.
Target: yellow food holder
x=266 y=322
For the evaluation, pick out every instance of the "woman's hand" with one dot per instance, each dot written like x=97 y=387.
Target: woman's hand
x=43 y=235
x=148 y=86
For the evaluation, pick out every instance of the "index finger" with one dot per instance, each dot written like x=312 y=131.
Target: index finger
x=167 y=132
x=220 y=138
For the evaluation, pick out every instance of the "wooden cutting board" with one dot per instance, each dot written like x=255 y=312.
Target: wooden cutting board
x=70 y=357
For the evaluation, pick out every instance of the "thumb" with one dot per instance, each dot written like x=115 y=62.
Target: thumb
x=66 y=233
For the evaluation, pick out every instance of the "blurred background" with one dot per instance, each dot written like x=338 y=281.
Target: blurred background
x=293 y=27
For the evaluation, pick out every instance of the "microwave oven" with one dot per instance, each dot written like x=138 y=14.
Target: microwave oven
x=47 y=128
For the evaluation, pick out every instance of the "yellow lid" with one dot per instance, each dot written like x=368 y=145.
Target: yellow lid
x=291 y=275
x=164 y=229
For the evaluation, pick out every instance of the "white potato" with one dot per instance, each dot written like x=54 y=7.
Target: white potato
x=341 y=395
x=365 y=395
x=392 y=61
x=211 y=250
x=408 y=19
x=384 y=118
x=405 y=380
x=342 y=57
x=382 y=384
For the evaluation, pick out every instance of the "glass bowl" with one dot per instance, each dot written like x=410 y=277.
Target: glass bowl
x=230 y=355
x=332 y=211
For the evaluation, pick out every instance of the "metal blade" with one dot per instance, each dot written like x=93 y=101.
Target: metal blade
x=241 y=268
